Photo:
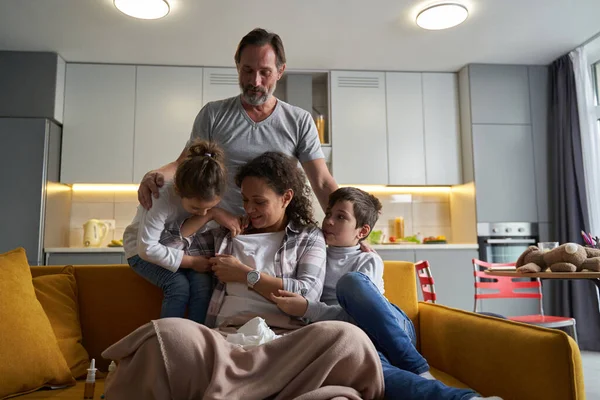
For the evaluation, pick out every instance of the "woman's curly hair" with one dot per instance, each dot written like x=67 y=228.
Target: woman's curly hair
x=281 y=173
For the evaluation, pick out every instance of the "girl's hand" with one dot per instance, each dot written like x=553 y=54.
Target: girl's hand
x=227 y=220
x=229 y=269
x=290 y=303
x=244 y=222
x=197 y=263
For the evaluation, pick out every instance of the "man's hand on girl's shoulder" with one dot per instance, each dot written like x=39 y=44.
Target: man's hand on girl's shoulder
x=151 y=183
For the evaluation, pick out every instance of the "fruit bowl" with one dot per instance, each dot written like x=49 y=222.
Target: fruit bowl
x=435 y=240
x=116 y=243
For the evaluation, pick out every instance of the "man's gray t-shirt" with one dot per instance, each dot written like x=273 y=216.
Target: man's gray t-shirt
x=289 y=130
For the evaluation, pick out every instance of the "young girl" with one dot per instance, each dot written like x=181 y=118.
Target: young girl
x=282 y=248
x=198 y=185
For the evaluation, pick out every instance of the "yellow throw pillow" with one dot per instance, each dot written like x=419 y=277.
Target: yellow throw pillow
x=58 y=295
x=29 y=354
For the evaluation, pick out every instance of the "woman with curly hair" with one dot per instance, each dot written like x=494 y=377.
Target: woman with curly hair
x=281 y=248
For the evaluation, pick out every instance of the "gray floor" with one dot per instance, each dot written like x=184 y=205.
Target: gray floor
x=591 y=374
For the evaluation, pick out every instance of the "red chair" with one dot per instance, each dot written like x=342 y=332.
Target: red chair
x=426 y=281
x=506 y=288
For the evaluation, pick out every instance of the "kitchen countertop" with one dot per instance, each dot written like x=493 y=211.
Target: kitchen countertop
x=415 y=246
x=84 y=250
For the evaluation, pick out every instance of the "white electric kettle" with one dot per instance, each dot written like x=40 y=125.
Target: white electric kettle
x=94 y=232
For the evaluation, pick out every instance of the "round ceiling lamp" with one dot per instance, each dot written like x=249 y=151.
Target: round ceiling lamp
x=442 y=16
x=143 y=9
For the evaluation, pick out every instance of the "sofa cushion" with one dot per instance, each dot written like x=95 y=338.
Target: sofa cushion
x=399 y=279
x=58 y=295
x=31 y=357
x=113 y=302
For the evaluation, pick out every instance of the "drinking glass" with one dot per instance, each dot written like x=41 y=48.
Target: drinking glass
x=547 y=246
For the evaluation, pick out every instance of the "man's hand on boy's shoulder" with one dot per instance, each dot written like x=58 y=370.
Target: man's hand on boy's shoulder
x=290 y=303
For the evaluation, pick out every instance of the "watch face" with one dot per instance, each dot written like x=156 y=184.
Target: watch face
x=253 y=277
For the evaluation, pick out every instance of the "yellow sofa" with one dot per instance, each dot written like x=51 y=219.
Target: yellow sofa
x=490 y=355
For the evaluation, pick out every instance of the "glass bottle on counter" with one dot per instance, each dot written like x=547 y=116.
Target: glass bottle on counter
x=320 y=123
x=399 y=227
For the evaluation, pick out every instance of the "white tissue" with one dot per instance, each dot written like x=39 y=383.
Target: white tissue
x=253 y=333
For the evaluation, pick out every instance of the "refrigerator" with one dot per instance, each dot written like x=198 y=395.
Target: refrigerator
x=34 y=206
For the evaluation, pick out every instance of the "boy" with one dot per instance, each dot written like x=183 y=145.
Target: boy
x=353 y=292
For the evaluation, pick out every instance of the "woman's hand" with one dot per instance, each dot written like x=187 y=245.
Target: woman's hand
x=227 y=220
x=366 y=247
x=290 y=303
x=229 y=269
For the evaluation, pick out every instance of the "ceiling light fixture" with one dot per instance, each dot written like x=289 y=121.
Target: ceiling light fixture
x=143 y=9
x=442 y=16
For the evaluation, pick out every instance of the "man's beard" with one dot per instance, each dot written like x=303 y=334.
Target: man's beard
x=259 y=98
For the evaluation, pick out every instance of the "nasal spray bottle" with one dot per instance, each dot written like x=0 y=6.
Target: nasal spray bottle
x=90 y=381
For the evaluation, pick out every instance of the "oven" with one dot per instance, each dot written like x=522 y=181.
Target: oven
x=503 y=242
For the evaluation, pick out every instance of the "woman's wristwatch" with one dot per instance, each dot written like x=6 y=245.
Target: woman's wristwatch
x=252 y=278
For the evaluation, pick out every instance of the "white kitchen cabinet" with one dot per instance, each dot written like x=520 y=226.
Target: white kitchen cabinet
x=499 y=94
x=167 y=102
x=59 y=96
x=406 y=146
x=358 y=125
x=85 y=258
x=98 y=124
x=538 y=94
x=504 y=173
x=452 y=272
x=442 y=129
x=423 y=129
x=220 y=83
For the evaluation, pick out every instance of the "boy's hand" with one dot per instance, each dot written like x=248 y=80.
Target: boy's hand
x=290 y=303
x=197 y=263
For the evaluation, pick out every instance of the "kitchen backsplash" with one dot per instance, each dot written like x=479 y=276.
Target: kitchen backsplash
x=120 y=206
x=427 y=213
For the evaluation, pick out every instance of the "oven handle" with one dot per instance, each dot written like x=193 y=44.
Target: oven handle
x=510 y=241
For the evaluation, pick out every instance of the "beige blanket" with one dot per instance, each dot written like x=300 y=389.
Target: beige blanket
x=177 y=359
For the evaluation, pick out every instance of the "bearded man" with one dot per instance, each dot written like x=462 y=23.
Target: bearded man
x=250 y=124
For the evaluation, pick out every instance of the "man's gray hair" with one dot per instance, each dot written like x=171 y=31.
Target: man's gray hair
x=261 y=37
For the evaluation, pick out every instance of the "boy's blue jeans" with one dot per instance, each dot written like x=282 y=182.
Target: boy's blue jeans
x=180 y=288
x=394 y=337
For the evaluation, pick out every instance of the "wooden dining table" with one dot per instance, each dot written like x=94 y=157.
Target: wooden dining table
x=592 y=276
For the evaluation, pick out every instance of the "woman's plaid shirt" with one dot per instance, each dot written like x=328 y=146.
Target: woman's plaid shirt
x=300 y=261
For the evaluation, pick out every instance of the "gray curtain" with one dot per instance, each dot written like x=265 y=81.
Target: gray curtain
x=574 y=298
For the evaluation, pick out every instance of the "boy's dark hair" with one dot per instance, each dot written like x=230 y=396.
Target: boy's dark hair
x=281 y=173
x=260 y=37
x=202 y=174
x=366 y=206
